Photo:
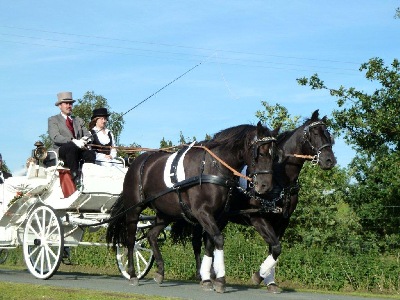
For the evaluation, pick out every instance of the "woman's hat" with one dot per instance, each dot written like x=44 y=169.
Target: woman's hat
x=64 y=97
x=100 y=112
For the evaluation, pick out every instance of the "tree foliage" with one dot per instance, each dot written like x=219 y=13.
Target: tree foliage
x=323 y=217
x=277 y=115
x=370 y=122
x=4 y=167
x=84 y=108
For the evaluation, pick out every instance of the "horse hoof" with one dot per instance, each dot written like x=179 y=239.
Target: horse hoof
x=219 y=285
x=158 y=278
x=256 y=278
x=134 y=281
x=273 y=288
x=207 y=285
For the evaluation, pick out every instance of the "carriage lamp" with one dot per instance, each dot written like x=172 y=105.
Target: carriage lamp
x=40 y=153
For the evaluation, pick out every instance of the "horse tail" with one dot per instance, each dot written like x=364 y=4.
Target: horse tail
x=116 y=230
x=181 y=231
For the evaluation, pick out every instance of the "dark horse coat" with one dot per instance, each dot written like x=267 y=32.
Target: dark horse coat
x=201 y=197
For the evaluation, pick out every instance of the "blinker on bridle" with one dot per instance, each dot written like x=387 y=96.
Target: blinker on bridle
x=255 y=145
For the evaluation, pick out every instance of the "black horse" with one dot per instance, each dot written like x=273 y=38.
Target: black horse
x=207 y=177
x=270 y=213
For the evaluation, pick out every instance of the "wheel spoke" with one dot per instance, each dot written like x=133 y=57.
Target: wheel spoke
x=33 y=230
x=55 y=228
x=43 y=241
x=42 y=260
x=52 y=226
x=49 y=259
x=140 y=257
x=49 y=251
x=38 y=224
x=36 y=258
x=43 y=231
x=34 y=252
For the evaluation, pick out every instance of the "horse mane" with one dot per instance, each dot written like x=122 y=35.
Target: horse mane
x=230 y=138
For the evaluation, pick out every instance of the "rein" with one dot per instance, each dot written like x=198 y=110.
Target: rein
x=313 y=158
x=257 y=142
x=170 y=149
x=224 y=163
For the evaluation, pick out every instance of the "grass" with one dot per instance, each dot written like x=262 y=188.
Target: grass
x=18 y=291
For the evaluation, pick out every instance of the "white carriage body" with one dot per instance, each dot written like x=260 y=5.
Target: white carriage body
x=35 y=213
x=101 y=186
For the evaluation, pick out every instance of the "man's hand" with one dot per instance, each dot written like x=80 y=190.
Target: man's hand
x=87 y=139
x=79 y=143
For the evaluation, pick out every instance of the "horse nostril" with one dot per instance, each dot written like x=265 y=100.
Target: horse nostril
x=330 y=162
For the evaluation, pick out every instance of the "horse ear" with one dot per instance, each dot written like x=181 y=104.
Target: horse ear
x=275 y=132
x=315 y=115
x=261 y=130
x=324 y=119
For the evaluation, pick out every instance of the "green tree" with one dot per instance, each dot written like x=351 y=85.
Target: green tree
x=4 y=167
x=370 y=122
x=165 y=144
x=323 y=218
x=84 y=107
x=277 y=115
x=129 y=152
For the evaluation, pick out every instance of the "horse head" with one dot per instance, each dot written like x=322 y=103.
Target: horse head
x=261 y=156
x=318 y=142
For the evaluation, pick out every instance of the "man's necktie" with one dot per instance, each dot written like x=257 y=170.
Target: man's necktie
x=70 y=126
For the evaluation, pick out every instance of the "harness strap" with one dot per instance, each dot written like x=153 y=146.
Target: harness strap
x=174 y=165
x=204 y=178
x=236 y=173
x=142 y=196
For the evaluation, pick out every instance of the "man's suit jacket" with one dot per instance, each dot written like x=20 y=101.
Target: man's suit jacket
x=59 y=132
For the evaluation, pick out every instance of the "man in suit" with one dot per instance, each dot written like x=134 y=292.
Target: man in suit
x=69 y=136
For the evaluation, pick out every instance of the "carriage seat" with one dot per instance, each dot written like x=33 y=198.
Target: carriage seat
x=101 y=179
x=51 y=159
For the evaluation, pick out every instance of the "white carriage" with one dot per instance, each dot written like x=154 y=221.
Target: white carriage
x=44 y=214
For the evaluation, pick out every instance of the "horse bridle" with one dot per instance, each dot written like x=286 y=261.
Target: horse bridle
x=257 y=143
x=306 y=138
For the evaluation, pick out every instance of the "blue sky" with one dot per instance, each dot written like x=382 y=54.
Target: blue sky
x=250 y=51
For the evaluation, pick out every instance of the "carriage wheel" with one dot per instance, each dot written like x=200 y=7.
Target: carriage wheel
x=3 y=255
x=142 y=258
x=43 y=242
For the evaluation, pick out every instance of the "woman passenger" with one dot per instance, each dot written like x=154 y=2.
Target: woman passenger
x=103 y=141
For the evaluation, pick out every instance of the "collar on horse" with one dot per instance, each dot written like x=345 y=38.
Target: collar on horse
x=272 y=204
